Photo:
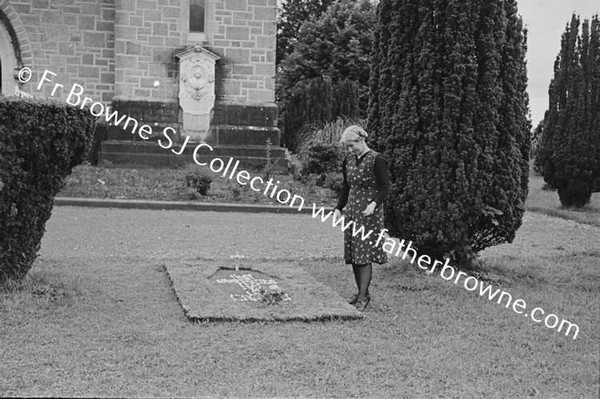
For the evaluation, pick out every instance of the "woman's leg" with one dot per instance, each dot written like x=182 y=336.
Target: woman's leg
x=356 y=270
x=362 y=275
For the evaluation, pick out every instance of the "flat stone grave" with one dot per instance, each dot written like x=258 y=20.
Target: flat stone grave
x=213 y=290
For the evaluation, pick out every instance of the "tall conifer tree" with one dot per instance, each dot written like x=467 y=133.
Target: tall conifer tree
x=448 y=108
x=570 y=148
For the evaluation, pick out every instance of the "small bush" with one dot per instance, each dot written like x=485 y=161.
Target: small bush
x=309 y=182
x=334 y=182
x=40 y=143
x=294 y=165
x=319 y=151
x=322 y=158
x=327 y=133
x=198 y=181
x=314 y=103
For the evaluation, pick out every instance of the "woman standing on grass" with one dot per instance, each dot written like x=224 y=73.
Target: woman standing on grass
x=366 y=185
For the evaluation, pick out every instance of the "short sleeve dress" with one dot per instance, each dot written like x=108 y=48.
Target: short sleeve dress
x=363 y=190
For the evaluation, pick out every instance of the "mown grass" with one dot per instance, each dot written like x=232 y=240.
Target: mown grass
x=123 y=334
x=98 y=318
x=117 y=330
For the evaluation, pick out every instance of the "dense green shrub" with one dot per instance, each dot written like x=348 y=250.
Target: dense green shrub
x=321 y=158
x=325 y=133
x=198 y=181
x=291 y=16
x=334 y=182
x=327 y=73
x=319 y=150
x=569 y=156
x=40 y=143
x=315 y=102
x=448 y=109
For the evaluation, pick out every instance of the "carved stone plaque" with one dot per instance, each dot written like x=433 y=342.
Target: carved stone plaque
x=196 y=90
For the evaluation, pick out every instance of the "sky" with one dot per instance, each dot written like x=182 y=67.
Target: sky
x=546 y=21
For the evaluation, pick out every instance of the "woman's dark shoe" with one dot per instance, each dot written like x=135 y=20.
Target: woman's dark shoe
x=352 y=301
x=361 y=304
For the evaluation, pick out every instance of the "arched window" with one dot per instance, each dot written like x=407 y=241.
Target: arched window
x=8 y=63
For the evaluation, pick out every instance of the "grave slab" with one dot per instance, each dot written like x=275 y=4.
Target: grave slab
x=213 y=290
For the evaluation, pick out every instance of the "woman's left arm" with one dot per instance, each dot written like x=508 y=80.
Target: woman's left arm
x=383 y=181
x=382 y=177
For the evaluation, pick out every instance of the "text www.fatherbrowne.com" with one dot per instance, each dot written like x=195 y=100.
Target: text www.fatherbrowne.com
x=229 y=170
x=448 y=273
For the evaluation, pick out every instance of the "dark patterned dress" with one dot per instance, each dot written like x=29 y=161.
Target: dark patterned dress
x=364 y=186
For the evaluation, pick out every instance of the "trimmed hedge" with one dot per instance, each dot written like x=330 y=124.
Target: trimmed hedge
x=40 y=143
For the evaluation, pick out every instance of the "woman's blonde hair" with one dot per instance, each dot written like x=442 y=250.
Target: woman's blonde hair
x=352 y=133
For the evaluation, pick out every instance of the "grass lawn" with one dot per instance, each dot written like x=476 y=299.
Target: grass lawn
x=99 y=318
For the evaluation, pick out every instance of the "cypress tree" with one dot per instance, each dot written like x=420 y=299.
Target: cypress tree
x=536 y=143
x=594 y=99
x=570 y=148
x=448 y=108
